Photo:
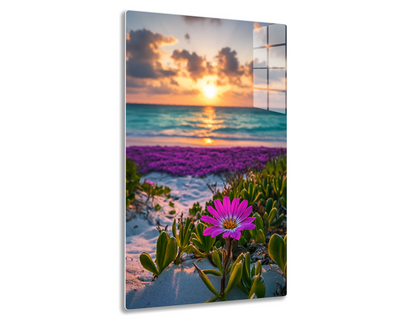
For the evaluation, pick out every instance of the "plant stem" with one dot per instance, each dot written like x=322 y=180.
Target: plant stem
x=178 y=257
x=224 y=266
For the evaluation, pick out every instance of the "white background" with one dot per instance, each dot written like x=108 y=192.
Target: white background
x=351 y=132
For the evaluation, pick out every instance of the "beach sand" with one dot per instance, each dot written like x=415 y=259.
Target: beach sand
x=177 y=284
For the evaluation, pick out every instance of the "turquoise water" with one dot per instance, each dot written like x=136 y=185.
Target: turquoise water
x=228 y=123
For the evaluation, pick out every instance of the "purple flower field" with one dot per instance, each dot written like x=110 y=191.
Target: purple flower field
x=182 y=161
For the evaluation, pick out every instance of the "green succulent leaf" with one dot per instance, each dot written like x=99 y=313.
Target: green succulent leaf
x=235 y=277
x=258 y=268
x=148 y=264
x=171 y=252
x=259 y=287
x=216 y=258
x=277 y=251
x=205 y=279
x=161 y=245
x=269 y=204
x=260 y=238
x=278 y=221
x=272 y=214
x=213 y=272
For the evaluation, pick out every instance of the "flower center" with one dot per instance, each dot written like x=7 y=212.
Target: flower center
x=230 y=224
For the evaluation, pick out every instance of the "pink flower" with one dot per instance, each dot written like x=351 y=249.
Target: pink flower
x=149 y=182
x=230 y=219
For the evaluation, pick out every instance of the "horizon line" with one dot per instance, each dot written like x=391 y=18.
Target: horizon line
x=188 y=105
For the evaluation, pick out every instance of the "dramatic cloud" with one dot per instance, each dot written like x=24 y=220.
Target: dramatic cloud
x=228 y=66
x=194 y=64
x=191 y=20
x=143 y=53
x=187 y=37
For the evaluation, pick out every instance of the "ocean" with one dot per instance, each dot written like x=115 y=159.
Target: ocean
x=204 y=126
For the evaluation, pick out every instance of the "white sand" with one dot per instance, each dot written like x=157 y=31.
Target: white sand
x=177 y=284
x=182 y=285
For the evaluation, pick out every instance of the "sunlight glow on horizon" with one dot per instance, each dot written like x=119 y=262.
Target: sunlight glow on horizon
x=210 y=91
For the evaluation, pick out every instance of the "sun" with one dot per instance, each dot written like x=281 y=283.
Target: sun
x=210 y=91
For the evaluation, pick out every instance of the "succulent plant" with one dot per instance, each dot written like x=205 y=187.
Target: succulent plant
x=270 y=215
x=222 y=259
x=257 y=233
x=196 y=208
x=276 y=166
x=202 y=245
x=132 y=181
x=252 y=281
x=166 y=250
x=183 y=236
x=251 y=194
x=278 y=251
x=266 y=189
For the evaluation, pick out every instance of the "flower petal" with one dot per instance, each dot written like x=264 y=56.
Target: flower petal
x=249 y=219
x=217 y=232
x=246 y=226
x=220 y=208
x=242 y=207
x=246 y=213
x=214 y=213
x=210 y=230
x=210 y=220
x=226 y=234
x=234 y=207
x=227 y=206
x=235 y=234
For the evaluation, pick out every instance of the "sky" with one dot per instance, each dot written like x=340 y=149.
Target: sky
x=182 y=60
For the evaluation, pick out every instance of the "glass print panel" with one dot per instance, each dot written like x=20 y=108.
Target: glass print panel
x=277 y=101
x=260 y=37
x=260 y=99
x=277 y=57
x=260 y=78
x=260 y=58
x=277 y=34
x=277 y=79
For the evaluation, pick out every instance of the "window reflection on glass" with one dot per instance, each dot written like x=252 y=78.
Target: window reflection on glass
x=260 y=58
x=277 y=57
x=277 y=101
x=269 y=68
x=277 y=34
x=260 y=99
x=260 y=37
x=277 y=79
x=260 y=78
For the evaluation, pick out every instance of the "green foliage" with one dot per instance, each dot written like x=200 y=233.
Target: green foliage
x=252 y=281
x=278 y=251
x=158 y=207
x=171 y=204
x=235 y=278
x=202 y=245
x=196 y=208
x=270 y=215
x=172 y=212
x=249 y=280
x=252 y=194
x=166 y=249
x=257 y=233
x=276 y=167
x=183 y=236
x=132 y=181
